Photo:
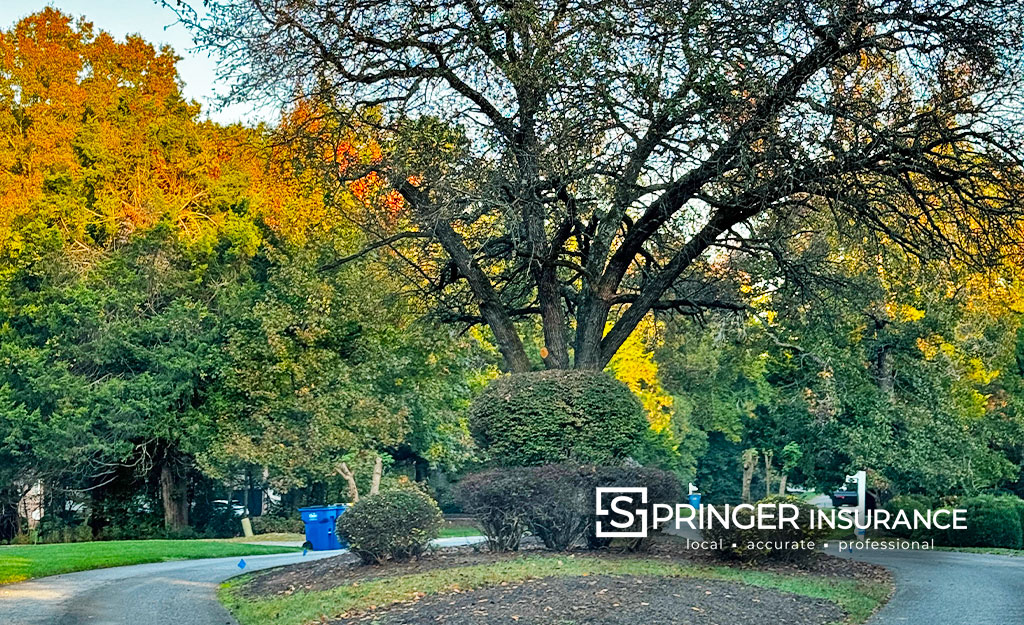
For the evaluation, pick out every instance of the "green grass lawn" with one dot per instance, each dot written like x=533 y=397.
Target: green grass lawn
x=451 y=531
x=281 y=537
x=859 y=599
x=21 y=562
x=457 y=531
x=996 y=551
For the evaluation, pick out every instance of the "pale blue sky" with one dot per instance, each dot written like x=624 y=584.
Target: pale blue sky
x=157 y=25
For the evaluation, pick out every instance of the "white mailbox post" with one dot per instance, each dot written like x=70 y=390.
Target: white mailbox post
x=862 y=491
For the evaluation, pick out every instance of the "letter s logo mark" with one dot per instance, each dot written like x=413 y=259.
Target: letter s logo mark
x=615 y=507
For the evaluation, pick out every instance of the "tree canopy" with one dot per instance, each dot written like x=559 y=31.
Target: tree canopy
x=791 y=229
x=161 y=313
x=584 y=163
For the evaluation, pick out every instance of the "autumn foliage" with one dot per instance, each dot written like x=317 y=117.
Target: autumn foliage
x=100 y=143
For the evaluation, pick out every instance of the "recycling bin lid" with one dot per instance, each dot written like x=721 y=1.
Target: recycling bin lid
x=322 y=513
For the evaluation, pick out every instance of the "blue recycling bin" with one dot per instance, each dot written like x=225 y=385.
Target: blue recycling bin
x=694 y=500
x=320 y=526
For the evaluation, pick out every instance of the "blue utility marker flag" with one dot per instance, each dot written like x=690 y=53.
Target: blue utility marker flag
x=241 y=563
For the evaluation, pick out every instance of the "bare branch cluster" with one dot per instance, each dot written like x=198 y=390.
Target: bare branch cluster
x=589 y=161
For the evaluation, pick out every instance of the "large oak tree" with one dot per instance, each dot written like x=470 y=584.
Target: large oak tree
x=586 y=162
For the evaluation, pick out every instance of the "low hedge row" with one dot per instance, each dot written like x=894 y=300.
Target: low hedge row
x=755 y=544
x=992 y=521
x=277 y=524
x=555 y=502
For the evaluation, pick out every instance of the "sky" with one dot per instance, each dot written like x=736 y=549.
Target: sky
x=156 y=24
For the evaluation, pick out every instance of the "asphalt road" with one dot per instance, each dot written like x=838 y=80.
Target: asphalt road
x=950 y=588
x=942 y=587
x=176 y=593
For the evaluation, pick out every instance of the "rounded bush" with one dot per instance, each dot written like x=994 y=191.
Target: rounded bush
x=558 y=416
x=745 y=540
x=560 y=502
x=393 y=525
x=991 y=522
x=1014 y=502
x=663 y=487
x=553 y=501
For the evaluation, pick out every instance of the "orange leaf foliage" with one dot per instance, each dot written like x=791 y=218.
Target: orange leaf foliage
x=96 y=140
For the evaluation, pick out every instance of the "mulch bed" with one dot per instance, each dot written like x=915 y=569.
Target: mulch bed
x=816 y=564
x=345 y=569
x=608 y=600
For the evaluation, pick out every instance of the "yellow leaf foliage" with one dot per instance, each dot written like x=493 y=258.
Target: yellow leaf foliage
x=634 y=365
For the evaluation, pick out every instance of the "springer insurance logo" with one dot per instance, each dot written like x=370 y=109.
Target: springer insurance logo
x=628 y=512
x=619 y=510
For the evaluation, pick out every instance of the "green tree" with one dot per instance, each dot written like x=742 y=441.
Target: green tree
x=917 y=385
x=320 y=368
x=116 y=362
x=159 y=293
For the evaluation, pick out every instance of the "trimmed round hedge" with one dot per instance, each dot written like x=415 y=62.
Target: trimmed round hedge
x=393 y=525
x=548 y=417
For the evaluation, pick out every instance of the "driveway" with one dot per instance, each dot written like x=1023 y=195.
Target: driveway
x=178 y=593
x=950 y=588
x=183 y=593
x=942 y=587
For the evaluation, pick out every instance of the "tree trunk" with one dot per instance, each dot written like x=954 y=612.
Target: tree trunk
x=350 y=479
x=556 y=347
x=782 y=483
x=422 y=469
x=174 y=494
x=246 y=491
x=884 y=371
x=10 y=520
x=749 y=462
x=883 y=366
x=378 y=470
x=768 y=472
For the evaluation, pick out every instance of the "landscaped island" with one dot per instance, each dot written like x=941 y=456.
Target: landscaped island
x=465 y=586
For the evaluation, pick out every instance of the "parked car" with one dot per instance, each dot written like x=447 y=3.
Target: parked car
x=222 y=504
